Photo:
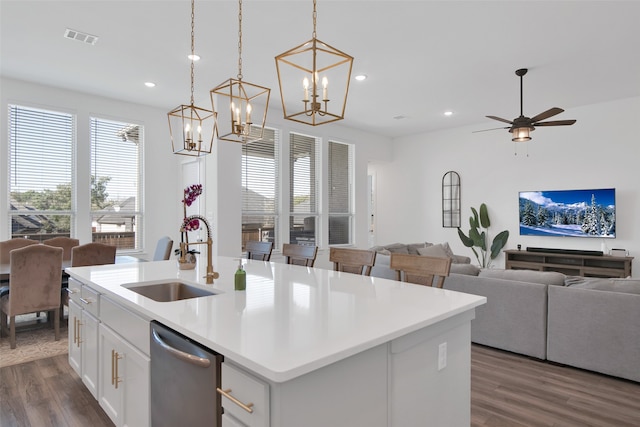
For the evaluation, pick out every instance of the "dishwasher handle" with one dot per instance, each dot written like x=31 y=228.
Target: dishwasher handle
x=184 y=356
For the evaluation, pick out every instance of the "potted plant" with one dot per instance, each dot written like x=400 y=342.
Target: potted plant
x=477 y=238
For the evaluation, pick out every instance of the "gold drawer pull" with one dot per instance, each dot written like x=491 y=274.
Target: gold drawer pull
x=86 y=301
x=226 y=393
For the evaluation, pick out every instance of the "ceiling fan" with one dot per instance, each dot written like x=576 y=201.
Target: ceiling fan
x=522 y=126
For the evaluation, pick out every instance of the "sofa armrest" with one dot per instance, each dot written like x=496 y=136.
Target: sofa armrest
x=595 y=330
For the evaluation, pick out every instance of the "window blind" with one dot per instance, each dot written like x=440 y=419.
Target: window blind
x=40 y=171
x=303 y=167
x=340 y=192
x=260 y=189
x=116 y=190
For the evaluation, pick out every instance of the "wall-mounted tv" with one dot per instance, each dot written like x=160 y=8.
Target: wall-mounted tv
x=573 y=213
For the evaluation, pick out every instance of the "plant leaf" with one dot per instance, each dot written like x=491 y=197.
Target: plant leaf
x=498 y=243
x=484 y=216
x=473 y=221
x=465 y=240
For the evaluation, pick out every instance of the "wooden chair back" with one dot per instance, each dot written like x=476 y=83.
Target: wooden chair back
x=356 y=261
x=299 y=254
x=421 y=270
x=163 y=249
x=93 y=254
x=34 y=286
x=259 y=250
x=66 y=243
x=11 y=244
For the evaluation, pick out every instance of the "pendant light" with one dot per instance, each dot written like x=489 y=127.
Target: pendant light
x=306 y=74
x=238 y=104
x=192 y=128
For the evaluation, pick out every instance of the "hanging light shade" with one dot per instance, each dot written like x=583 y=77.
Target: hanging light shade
x=314 y=81
x=192 y=128
x=241 y=107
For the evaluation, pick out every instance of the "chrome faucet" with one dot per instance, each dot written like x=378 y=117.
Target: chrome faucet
x=184 y=245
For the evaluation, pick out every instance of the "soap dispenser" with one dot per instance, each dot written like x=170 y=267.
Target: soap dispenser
x=240 y=278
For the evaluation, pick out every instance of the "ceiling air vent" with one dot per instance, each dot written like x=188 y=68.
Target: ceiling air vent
x=83 y=37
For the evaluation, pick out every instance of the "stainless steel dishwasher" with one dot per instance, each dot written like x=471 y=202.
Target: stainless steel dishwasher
x=184 y=378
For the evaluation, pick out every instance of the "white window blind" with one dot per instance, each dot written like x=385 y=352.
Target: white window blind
x=340 y=193
x=303 y=168
x=260 y=189
x=116 y=178
x=41 y=147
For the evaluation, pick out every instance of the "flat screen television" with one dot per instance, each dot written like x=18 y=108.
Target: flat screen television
x=573 y=213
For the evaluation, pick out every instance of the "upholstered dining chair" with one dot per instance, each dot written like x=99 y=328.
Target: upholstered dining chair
x=163 y=249
x=259 y=250
x=11 y=244
x=34 y=286
x=419 y=269
x=356 y=261
x=63 y=242
x=299 y=254
x=93 y=254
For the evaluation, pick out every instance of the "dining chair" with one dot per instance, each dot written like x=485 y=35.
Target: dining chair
x=259 y=250
x=356 y=261
x=299 y=254
x=63 y=242
x=11 y=244
x=34 y=286
x=93 y=254
x=420 y=269
x=163 y=249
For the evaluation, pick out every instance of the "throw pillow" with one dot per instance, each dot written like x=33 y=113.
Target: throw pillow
x=447 y=249
x=413 y=247
x=435 y=251
x=397 y=248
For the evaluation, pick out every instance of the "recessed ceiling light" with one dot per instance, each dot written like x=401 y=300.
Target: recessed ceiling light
x=193 y=57
x=149 y=84
x=361 y=77
x=448 y=113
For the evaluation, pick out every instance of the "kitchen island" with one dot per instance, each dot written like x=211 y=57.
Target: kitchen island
x=326 y=348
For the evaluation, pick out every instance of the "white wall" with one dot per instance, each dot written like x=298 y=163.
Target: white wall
x=600 y=151
x=221 y=171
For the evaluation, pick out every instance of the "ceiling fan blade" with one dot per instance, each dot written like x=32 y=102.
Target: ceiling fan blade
x=556 y=123
x=500 y=119
x=485 y=130
x=549 y=113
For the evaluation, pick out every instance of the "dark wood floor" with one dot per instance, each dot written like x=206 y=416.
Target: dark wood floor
x=506 y=390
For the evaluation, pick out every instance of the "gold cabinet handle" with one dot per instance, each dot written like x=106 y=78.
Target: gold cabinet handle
x=227 y=393
x=115 y=380
x=78 y=339
x=85 y=301
x=72 y=291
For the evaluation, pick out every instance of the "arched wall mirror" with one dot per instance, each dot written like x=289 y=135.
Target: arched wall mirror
x=451 y=200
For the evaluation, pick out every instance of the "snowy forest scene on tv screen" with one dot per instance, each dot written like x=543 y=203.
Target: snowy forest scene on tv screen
x=574 y=213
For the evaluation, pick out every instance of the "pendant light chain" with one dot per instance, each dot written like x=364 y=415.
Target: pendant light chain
x=315 y=18
x=192 y=46
x=239 y=39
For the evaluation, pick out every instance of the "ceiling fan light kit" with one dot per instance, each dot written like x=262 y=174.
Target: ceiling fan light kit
x=521 y=127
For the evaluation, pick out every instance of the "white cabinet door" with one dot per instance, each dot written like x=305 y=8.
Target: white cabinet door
x=229 y=421
x=123 y=384
x=89 y=350
x=75 y=350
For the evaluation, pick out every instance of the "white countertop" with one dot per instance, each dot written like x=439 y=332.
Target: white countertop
x=291 y=320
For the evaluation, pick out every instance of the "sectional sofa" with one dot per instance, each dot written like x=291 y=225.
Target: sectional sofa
x=588 y=323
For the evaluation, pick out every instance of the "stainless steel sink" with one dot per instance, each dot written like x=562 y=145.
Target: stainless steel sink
x=168 y=291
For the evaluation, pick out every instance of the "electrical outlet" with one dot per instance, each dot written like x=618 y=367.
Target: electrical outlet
x=442 y=356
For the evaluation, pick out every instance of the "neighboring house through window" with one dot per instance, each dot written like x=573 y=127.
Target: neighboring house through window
x=303 y=189
x=340 y=184
x=116 y=176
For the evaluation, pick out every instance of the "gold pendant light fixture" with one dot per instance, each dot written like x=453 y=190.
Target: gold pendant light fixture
x=238 y=104
x=192 y=128
x=306 y=74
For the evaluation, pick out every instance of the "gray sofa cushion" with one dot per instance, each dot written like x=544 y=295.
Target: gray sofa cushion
x=628 y=286
x=413 y=248
x=542 y=277
x=468 y=269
